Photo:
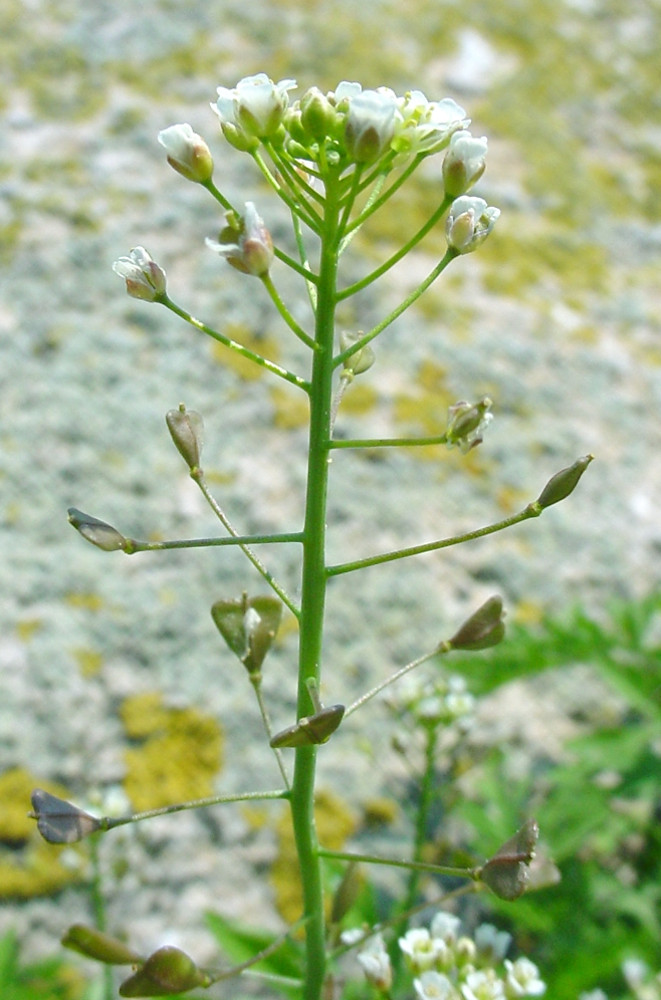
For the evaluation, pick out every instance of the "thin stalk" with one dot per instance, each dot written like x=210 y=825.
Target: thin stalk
x=388 y=442
x=313 y=596
x=422 y=822
x=111 y=822
x=134 y=545
x=532 y=510
x=245 y=352
x=284 y=312
x=421 y=866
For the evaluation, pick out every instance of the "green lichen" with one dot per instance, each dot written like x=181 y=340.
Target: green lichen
x=178 y=756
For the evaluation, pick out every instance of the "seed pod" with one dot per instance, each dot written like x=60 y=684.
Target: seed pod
x=99 y=533
x=563 y=483
x=95 y=944
x=186 y=431
x=60 y=822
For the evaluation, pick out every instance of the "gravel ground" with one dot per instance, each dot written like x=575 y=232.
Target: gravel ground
x=557 y=319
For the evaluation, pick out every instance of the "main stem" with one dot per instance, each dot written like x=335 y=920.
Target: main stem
x=313 y=596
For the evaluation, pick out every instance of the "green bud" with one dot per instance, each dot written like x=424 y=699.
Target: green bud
x=95 y=944
x=186 y=430
x=361 y=360
x=506 y=873
x=563 y=483
x=317 y=115
x=346 y=893
x=467 y=423
x=60 y=822
x=484 y=628
x=169 y=970
x=103 y=535
x=311 y=729
x=248 y=626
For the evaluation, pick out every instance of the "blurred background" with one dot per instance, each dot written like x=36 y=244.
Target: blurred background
x=556 y=319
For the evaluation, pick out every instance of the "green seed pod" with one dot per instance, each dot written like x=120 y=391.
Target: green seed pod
x=311 y=729
x=248 y=625
x=95 y=944
x=168 y=970
x=99 y=533
x=484 y=628
x=563 y=483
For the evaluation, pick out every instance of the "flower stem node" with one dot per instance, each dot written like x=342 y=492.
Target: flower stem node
x=467 y=423
x=563 y=483
x=99 y=533
x=144 y=278
x=187 y=152
x=483 y=629
x=167 y=971
x=245 y=242
x=186 y=430
x=469 y=222
x=464 y=163
x=248 y=625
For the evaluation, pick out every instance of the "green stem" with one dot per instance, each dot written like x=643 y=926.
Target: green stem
x=421 y=866
x=532 y=510
x=412 y=442
x=313 y=596
x=284 y=312
x=422 y=819
x=234 y=346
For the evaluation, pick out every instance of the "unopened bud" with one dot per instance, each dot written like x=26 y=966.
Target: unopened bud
x=484 y=628
x=60 y=822
x=169 y=970
x=467 y=423
x=317 y=115
x=248 y=626
x=187 y=152
x=362 y=359
x=469 y=223
x=563 y=483
x=103 y=535
x=143 y=276
x=102 y=947
x=186 y=430
x=464 y=163
x=245 y=242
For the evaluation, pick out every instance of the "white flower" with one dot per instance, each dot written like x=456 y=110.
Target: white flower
x=445 y=927
x=254 y=109
x=375 y=963
x=522 y=979
x=187 y=152
x=144 y=278
x=426 y=126
x=464 y=163
x=433 y=986
x=421 y=950
x=370 y=124
x=492 y=944
x=469 y=222
x=482 y=984
x=245 y=242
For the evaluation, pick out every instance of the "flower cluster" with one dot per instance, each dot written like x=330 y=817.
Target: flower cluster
x=449 y=965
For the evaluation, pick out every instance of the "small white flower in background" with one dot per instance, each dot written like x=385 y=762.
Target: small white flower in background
x=375 y=963
x=434 y=986
x=144 y=278
x=254 y=109
x=522 y=979
x=187 y=152
x=245 y=242
x=469 y=223
x=491 y=943
x=464 y=163
x=370 y=124
x=482 y=984
x=593 y=995
x=445 y=927
x=422 y=951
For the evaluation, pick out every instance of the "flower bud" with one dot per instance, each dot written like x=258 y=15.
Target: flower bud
x=484 y=628
x=103 y=535
x=186 y=430
x=187 y=152
x=168 y=970
x=248 y=626
x=563 y=483
x=311 y=729
x=464 y=163
x=467 y=423
x=60 y=822
x=317 y=116
x=370 y=124
x=252 y=110
x=144 y=278
x=469 y=223
x=245 y=242
x=95 y=944
x=361 y=360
